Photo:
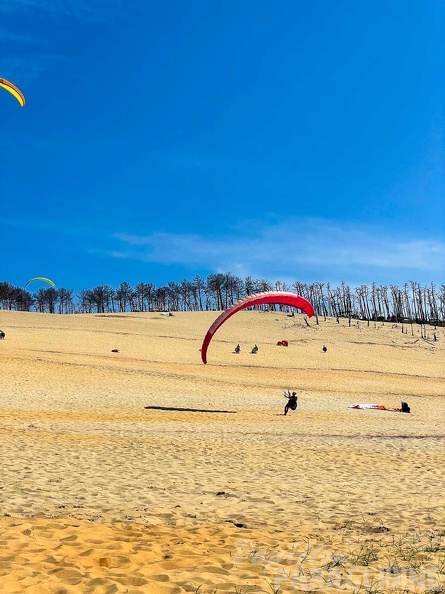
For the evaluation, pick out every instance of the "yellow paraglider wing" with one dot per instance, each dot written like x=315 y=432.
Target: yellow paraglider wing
x=13 y=90
x=41 y=278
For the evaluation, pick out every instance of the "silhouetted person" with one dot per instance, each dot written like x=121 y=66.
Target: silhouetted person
x=325 y=348
x=291 y=402
x=405 y=408
x=237 y=349
x=254 y=350
x=2 y=335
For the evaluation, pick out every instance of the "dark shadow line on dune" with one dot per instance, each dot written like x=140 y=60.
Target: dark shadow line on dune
x=203 y=410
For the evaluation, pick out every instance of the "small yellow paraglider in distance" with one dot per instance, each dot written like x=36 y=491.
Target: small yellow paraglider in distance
x=17 y=93
x=41 y=278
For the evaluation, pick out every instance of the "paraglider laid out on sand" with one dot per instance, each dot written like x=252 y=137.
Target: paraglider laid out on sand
x=404 y=407
x=41 y=278
x=269 y=297
x=17 y=93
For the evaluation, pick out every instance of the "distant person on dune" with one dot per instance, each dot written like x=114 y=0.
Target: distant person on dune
x=2 y=335
x=237 y=349
x=292 y=401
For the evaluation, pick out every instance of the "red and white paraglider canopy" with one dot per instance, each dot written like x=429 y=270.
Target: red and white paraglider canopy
x=278 y=297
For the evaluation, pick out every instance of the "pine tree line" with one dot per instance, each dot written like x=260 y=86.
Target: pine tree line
x=411 y=303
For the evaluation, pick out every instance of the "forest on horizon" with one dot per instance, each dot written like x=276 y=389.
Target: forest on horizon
x=411 y=303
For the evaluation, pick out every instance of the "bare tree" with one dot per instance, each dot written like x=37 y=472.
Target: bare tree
x=124 y=296
x=215 y=289
x=86 y=301
x=199 y=292
x=172 y=296
x=65 y=301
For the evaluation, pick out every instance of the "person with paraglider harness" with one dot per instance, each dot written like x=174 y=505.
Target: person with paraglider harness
x=292 y=401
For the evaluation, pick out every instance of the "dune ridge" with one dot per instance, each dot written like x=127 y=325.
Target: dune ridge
x=101 y=494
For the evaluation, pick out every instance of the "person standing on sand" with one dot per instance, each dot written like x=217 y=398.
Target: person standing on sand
x=291 y=402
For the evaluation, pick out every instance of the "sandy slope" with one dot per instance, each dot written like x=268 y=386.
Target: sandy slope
x=100 y=494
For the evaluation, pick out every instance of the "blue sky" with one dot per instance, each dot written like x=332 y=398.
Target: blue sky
x=292 y=140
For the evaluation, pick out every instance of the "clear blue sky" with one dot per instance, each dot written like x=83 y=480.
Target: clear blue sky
x=292 y=140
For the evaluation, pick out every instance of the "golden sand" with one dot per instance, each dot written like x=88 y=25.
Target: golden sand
x=100 y=494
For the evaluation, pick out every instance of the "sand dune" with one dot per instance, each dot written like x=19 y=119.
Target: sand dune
x=105 y=487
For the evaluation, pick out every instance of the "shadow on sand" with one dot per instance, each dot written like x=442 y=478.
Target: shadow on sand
x=203 y=410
